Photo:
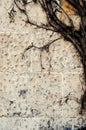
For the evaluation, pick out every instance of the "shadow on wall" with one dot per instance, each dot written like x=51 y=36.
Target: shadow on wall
x=63 y=128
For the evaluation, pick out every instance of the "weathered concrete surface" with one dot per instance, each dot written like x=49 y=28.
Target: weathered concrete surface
x=30 y=95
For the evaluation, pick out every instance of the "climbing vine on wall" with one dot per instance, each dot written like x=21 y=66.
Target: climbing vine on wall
x=52 y=8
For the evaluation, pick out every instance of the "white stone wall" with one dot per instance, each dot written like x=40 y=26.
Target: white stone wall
x=30 y=97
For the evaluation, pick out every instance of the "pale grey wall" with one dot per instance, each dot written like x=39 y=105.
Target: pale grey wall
x=30 y=96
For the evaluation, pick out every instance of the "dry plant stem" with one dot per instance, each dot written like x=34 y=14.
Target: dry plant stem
x=42 y=48
x=76 y=36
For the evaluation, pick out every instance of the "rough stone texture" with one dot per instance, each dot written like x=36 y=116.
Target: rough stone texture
x=31 y=97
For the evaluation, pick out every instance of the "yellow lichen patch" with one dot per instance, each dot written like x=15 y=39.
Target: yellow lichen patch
x=67 y=7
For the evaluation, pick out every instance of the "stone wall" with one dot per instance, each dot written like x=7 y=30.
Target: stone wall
x=35 y=85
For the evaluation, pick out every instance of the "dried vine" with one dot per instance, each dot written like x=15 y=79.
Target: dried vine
x=76 y=36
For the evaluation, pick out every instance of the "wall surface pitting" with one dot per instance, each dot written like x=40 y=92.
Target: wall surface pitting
x=32 y=98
